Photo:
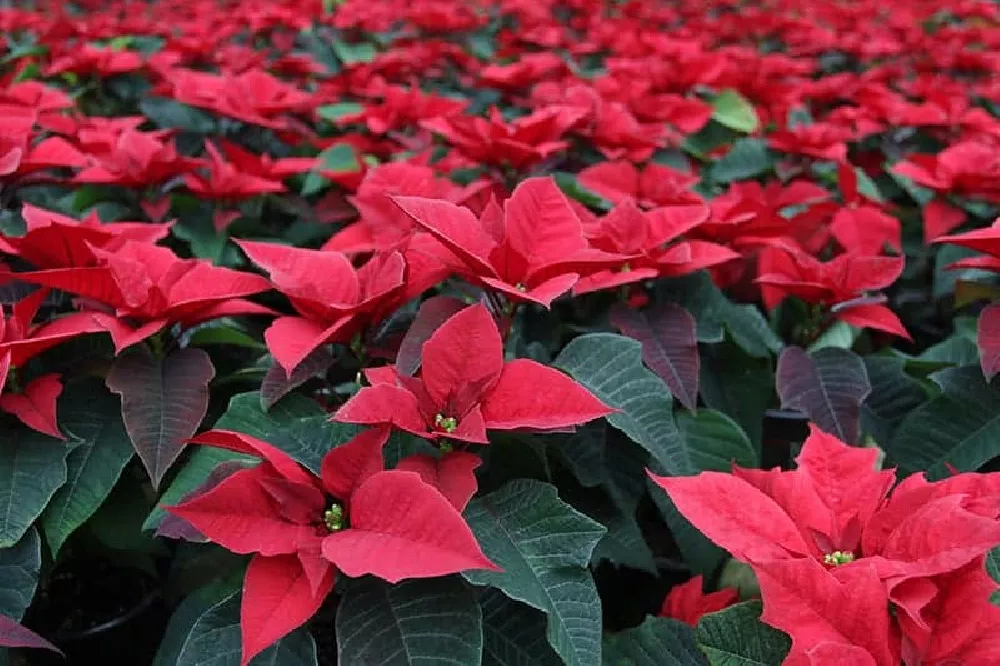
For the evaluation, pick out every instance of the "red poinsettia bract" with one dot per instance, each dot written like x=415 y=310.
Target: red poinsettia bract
x=356 y=518
x=834 y=549
x=465 y=388
x=687 y=602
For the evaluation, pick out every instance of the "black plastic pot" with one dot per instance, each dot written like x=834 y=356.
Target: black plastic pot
x=100 y=614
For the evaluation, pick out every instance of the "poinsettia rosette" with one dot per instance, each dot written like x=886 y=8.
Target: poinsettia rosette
x=831 y=542
x=465 y=388
x=356 y=518
x=139 y=288
x=20 y=340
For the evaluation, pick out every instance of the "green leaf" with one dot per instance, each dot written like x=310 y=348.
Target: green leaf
x=223 y=334
x=543 y=547
x=736 y=637
x=894 y=395
x=658 y=641
x=339 y=158
x=611 y=367
x=295 y=424
x=351 y=54
x=334 y=112
x=513 y=633
x=214 y=640
x=993 y=569
x=91 y=416
x=32 y=468
x=623 y=543
x=747 y=158
x=184 y=618
x=840 y=335
x=733 y=110
x=19 y=569
x=419 y=621
x=168 y=113
x=961 y=426
x=716 y=441
x=737 y=385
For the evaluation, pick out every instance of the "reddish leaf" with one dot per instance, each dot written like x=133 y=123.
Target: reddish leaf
x=432 y=314
x=13 y=635
x=277 y=383
x=828 y=386
x=163 y=402
x=988 y=338
x=454 y=474
x=687 y=602
x=277 y=599
x=403 y=528
x=669 y=346
x=36 y=405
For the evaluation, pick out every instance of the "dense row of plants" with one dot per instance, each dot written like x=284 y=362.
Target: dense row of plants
x=509 y=332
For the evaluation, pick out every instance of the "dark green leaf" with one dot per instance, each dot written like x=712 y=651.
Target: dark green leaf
x=658 y=641
x=19 y=568
x=746 y=159
x=32 y=468
x=91 y=416
x=716 y=441
x=611 y=367
x=737 y=385
x=961 y=427
x=894 y=395
x=171 y=114
x=543 y=547
x=736 y=637
x=513 y=633
x=420 y=621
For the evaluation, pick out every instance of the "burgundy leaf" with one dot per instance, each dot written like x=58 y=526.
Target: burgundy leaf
x=432 y=313
x=828 y=386
x=669 y=345
x=174 y=527
x=163 y=402
x=13 y=635
x=988 y=337
x=277 y=383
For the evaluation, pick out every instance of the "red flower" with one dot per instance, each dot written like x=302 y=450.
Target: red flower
x=842 y=284
x=138 y=289
x=465 y=388
x=861 y=225
x=829 y=542
x=642 y=238
x=86 y=60
x=135 y=159
x=226 y=181
x=529 y=69
x=356 y=518
x=968 y=168
x=687 y=602
x=531 y=250
x=20 y=341
x=656 y=185
x=57 y=241
x=402 y=108
x=20 y=156
x=822 y=141
x=519 y=144
x=333 y=299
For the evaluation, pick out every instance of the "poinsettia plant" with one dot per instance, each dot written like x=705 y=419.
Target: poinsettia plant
x=506 y=333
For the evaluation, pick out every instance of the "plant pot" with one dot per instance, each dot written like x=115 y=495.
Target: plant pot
x=99 y=613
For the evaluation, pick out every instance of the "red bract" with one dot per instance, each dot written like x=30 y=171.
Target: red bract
x=138 y=289
x=465 y=388
x=861 y=225
x=519 y=144
x=402 y=108
x=253 y=96
x=687 y=602
x=534 y=249
x=57 y=241
x=356 y=518
x=20 y=341
x=87 y=60
x=829 y=541
x=982 y=240
x=20 y=156
x=967 y=168
x=642 y=238
x=334 y=300
x=843 y=284
x=134 y=159
x=655 y=185
x=824 y=142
